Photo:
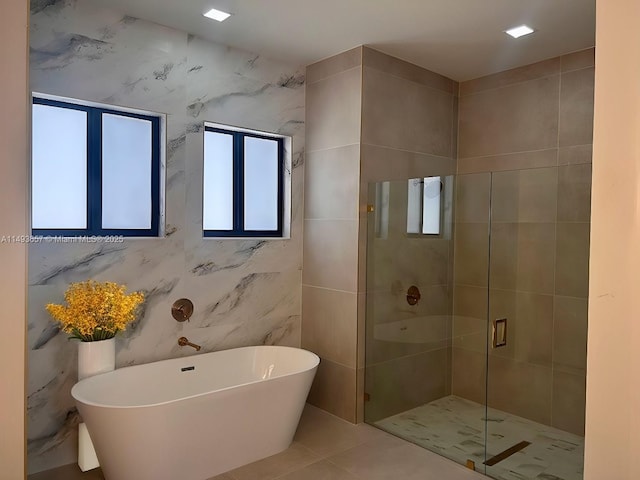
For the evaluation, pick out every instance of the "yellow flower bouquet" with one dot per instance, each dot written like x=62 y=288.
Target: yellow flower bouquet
x=96 y=310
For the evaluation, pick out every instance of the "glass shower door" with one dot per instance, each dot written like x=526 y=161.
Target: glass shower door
x=532 y=236
x=426 y=351
x=470 y=313
x=476 y=309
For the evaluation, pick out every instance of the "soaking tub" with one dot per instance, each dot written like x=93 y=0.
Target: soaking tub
x=195 y=417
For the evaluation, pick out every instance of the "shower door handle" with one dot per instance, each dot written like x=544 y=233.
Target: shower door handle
x=499 y=332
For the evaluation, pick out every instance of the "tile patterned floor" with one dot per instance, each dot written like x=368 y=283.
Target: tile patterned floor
x=455 y=428
x=327 y=448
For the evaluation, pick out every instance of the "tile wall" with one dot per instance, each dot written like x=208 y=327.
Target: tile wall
x=359 y=130
x=411 y=134
x=330 y=276
x=532 y=127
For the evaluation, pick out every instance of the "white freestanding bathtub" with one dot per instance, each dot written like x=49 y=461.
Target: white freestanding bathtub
x=196 y=417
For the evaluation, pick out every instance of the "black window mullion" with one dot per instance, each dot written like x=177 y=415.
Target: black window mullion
x=238 y=174
x=94 y=172
x=155 y=176
x=280 y=186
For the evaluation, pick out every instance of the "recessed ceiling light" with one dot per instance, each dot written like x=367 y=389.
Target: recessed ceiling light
x=519 y=31
x=217 y=15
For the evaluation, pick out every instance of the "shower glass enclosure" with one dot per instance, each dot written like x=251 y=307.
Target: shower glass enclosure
x=486 y=364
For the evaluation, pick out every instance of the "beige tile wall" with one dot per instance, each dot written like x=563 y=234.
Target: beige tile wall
x=404 y=122
x=331 y=226
x=534 y=116
x=531 y=127
x=521 y=117
x=471 y=282
x=360 y=129
x=406 y=382
x=402 y=375
x=409 y=121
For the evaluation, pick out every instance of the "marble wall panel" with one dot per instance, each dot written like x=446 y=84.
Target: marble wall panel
x=246 y=292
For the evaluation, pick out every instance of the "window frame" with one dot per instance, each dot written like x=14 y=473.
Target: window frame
x=94 y=172
x=238 y=230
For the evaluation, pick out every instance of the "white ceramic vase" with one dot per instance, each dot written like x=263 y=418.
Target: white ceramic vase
x=96 y=357
x=93 y=358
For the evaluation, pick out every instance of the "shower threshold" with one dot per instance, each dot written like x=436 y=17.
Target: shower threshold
x=455 y=428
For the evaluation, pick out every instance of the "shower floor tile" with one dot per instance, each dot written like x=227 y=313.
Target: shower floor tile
x=455 y=428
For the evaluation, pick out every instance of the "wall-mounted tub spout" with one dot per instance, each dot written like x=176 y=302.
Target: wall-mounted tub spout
x=184 y=341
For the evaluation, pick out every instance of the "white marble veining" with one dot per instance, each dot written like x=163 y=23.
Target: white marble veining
x=246 y=292
x=455 y=428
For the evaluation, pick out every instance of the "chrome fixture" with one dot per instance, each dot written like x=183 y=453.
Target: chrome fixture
x=184 y=341
x=182 y=309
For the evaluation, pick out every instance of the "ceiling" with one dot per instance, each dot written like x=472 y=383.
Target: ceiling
x=461 y=39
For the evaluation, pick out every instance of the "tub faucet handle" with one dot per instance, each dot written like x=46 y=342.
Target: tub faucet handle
x=184 y=341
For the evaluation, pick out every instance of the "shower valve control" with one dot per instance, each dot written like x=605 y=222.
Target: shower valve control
x=182 y=309
x=413 y=295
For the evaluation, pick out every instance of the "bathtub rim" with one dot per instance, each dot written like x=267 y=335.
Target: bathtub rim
x=315 y=360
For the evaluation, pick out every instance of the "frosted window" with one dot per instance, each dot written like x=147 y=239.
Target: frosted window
x=59 y=168
x=260 y=184
x=382 y=209
x=217 y=209
x=423 y=206
x=414 y=205
x=126 y=172
x=431 y=206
